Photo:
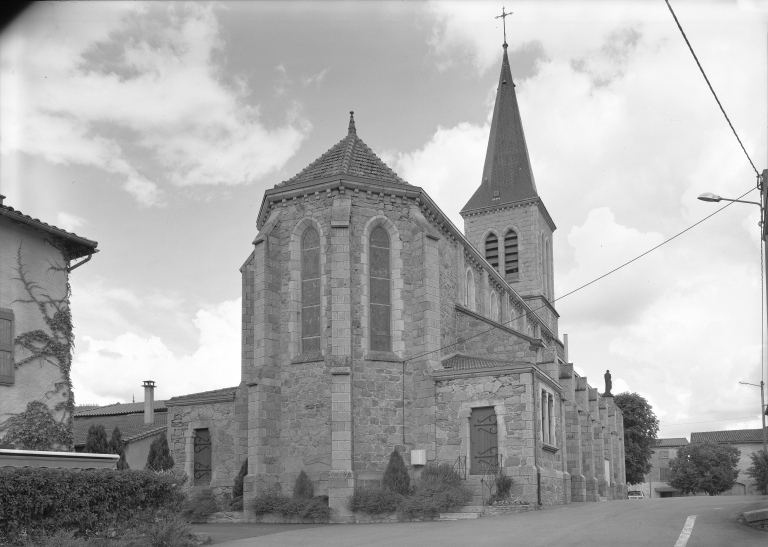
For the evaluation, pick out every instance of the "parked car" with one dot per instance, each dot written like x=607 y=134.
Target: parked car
x=635 y=495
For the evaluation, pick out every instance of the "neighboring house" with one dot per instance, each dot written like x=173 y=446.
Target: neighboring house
x=656 y=483
x=371 y=322
x=747 y=441
x=36 y=399
x=139 y=424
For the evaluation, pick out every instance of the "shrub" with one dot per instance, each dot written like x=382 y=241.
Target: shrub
x=45 y=500
x=200 y=506
x=96 y=442
x=503 y=487
x=374 y=500
x=303 y=487
x=438 y=489
x=159 y=457
x=758 y=471
x=274 y=501
x=117 y=446
x=396 y=476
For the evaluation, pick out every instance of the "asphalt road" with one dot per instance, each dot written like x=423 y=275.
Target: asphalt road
x=650 y=522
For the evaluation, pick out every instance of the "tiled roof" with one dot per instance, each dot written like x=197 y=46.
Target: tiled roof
x=462 y=362
x=78 y=245
x=203 y=394
x=671 y=443
x=121 y=408
x=351 y=156
x=730 y=436
x=507 y=174
x=131 y=426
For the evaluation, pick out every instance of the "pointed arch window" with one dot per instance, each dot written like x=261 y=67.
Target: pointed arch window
x=381 y=295
x=469 y=291
x=511 y=269
x=492 y=250
x=495 y=307
x=310 y=292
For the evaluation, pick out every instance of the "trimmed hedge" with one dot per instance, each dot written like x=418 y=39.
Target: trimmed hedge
x=274 y=501
x=48 y=500
x=373 y=501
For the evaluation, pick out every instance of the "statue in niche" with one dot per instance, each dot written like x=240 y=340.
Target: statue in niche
x=608 y=384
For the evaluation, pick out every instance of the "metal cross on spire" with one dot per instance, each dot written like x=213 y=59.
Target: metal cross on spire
x=503 y=18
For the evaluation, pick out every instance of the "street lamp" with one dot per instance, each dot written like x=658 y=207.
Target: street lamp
x=763 y=204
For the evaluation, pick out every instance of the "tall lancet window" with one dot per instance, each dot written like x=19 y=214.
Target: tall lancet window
x=510 y=256
x=492 y=250
x=548 y=267
x=495 y=307
x=310 y=292
x=469 y=295
x=381 y=295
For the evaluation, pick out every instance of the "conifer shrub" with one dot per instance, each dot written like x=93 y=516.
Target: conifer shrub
x=159 y=457
x=303 y=487
x=373 y=501
x=396 y=476
x=237 y=488
x=97 y=442
x=117 y=446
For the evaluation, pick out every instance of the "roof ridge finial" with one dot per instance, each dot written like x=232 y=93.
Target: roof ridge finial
x=352 y=130
x=503 y=18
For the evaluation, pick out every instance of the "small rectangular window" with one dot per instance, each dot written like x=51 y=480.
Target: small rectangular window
x=7 y=368
x=664 y=474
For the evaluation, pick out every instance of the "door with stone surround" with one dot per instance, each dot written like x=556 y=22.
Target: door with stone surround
x=483 y=440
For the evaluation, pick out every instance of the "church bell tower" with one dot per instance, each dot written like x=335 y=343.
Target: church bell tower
x=506 y=219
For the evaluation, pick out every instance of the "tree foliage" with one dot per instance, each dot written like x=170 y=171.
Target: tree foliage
x=97 y=442
x=704 y=468
x=117 y=446
x=396 y=476
x=758 y=471
x=640 y=429
x=159 y=457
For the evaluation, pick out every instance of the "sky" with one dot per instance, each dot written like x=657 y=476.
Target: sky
x=155 y=128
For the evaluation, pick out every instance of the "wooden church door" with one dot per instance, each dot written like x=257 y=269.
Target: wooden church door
x=483 y=440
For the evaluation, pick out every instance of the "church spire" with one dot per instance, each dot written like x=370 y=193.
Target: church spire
x=507 y=174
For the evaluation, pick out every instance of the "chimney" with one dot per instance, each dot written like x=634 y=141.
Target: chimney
x=2 y=197
x=149 y=402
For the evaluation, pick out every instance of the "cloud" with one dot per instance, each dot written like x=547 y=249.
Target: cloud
x=110 y=370
x=315 y=78
x=143 y=88
x=69 y=222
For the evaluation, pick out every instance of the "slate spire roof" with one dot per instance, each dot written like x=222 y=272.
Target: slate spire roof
x=507 y=174
x=350 y=156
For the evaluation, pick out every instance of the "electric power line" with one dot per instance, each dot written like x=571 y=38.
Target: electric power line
x=595 y=280
x=710 y=87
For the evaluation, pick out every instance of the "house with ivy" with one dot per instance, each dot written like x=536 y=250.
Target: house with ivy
x=36 y=339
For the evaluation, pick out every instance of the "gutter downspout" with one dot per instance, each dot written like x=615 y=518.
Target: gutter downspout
x=81 y=262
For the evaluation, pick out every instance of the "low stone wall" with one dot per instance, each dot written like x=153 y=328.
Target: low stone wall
x=756 y=519
x=495 y=510
x=277 y=518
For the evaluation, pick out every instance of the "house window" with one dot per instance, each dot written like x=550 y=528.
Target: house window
x=202 y=459
x=664 y=474
x=492 y=250
x=381 y=296
x=510 y=256
x=7 y=368
x=547 y=417
x=469 y=295
x=310 y=292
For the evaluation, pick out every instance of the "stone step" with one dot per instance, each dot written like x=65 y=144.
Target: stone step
x=459 y=516
x=470 y=509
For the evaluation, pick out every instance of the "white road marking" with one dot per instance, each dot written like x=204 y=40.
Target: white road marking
x=686 y=533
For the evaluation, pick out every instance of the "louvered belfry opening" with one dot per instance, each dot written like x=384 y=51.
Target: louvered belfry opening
x=381 y=296
x=310 y=292
x=511 y=270
x=492 y=250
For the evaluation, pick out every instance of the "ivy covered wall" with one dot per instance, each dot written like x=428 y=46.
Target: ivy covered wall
x=36 y=408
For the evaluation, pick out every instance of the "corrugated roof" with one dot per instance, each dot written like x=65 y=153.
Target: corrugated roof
x=351 y=156
x=729 y=436
x=463 y=362
x=131 y=426
x=507 y=173
x=671 y=442
x=78 y=246
x=212 y=393
x=121 y=408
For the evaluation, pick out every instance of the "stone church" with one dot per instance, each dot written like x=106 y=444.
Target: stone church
x=370 y=322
